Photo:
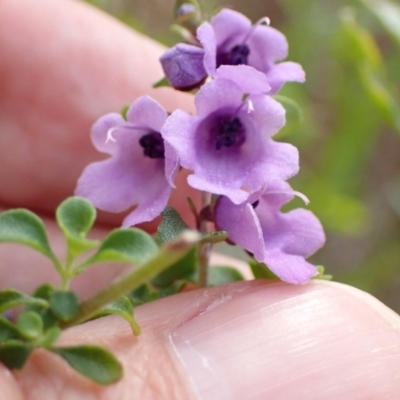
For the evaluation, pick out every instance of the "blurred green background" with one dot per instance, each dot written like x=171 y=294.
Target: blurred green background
x=349 y=137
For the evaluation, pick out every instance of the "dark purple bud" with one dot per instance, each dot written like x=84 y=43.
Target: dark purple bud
x=183 y=66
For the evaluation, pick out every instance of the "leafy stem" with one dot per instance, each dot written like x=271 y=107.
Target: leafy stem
x=168 y=255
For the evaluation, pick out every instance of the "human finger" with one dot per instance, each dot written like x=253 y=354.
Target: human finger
x=64 y=64
x=253 y=340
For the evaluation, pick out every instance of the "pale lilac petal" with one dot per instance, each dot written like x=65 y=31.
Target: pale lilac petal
x=304 y=234
x=242 y=225
x=171 y=164
x=280 y=161
x=205 y=35
x=249 y=79
x=151 y=203
x=178 y=132
x=146 y=112
x=217 y=94
x=284 y=72
x=268 y=114
x=102 y=132
x=206 y=184
x=267 y=45
x=121 y=182
x=290 y=268
x=230 y=27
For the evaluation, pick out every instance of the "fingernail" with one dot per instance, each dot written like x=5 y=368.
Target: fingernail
x=283 y=341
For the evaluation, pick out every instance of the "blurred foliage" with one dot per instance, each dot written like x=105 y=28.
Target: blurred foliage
x=349 y=139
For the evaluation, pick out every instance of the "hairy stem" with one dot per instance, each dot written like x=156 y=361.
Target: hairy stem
x=168 y=255
x=204 y=249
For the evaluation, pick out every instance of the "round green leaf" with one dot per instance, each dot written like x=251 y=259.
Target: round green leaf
x=30 y=325
x=64 y=304
x=7 y=330
x=14 y=354
x=93 y=362
x=222 y=275
x=76 y=216
x=122 y=307
x=24 y=227
x=125 y=245
x=171 y=226
x=10 y=298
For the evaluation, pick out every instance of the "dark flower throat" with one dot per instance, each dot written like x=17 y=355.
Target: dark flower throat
x=237 y=56
x=228 y=131
x=153 y=145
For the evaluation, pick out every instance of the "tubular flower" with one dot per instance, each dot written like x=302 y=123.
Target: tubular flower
x=280 y=240
x=140 y=168
x=228 y=145
x=230 y=39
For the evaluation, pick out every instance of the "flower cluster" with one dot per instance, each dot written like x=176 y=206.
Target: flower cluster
x=227 y=145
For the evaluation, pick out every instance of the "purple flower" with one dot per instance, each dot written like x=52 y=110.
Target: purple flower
x=183 y=66
x=230 y=39
x=140 y=168
x=228 y=145
x=280 y=240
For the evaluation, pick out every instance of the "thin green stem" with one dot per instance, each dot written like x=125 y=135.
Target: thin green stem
x=204 y=249
x=168 y=255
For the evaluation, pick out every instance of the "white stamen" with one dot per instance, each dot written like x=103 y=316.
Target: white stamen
x=294 y=192
x=250 y=106
x=110 y=137
x=262 y=21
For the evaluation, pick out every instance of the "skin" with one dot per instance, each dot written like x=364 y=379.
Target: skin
x=63 y=65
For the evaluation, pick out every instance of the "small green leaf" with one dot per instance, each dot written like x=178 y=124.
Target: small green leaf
x=49 y=337
x=7 y=330
x=24 y=227
x=321 y=274
x=222 y=275
x=122 y=307
x=94 y=362
x=30 y=325
x=14 y=354
x=162 y=82
x=10 y=298
x=261 y=271
x=294 y=115
x=64 y=304
x=76 y=216
x=171 y=226
x=184 y=268
x=44 y=291
x=124 y=111
x=143 y=294
x=125 y=245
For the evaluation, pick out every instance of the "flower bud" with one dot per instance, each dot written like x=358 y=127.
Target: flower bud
x=183 y=66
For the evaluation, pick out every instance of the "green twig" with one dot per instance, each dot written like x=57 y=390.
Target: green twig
x=169 y=254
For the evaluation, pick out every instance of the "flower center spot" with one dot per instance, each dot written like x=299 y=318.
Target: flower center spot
x=153 y=145
x=236 y=56
x=228 y=131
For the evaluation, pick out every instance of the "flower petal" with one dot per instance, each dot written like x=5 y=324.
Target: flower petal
x=205 y=35
x=249 y=79
x=102 y=132
x=242 y=225
x=290 y=268
x=284 y=72
x=146 y=112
